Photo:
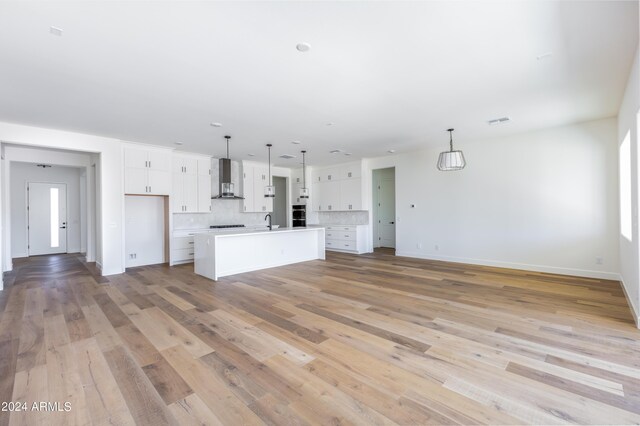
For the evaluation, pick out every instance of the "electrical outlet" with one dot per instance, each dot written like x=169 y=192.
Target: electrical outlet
x=436 y=247
x=419 y=245
x=599 y=260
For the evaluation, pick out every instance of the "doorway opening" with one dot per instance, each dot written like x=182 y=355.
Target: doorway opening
x=279 y=214
x=384 y=208
x=50 y=198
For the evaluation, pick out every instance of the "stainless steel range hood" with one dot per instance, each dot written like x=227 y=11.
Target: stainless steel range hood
x=225 y=186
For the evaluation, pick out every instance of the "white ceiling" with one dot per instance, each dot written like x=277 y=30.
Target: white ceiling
x=390 y=75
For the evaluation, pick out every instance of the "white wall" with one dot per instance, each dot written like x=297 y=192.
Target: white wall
x=543 y=201
x=21 y=173
x=144 y=239
x=109 y=231
x=628 y=117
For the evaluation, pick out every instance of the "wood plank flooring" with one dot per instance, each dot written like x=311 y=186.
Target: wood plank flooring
x=373 y=339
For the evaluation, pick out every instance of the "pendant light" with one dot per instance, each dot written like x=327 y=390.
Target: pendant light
x=304 y=191
x=451 y=160
x=269 y=190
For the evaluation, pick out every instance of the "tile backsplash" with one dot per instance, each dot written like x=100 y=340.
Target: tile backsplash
x=224 y=212
x=227 y=212
x=343 y=218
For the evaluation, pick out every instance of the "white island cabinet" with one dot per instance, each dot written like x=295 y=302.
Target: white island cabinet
x=218 y=255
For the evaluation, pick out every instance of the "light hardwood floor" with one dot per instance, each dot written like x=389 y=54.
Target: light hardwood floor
x=372 y=339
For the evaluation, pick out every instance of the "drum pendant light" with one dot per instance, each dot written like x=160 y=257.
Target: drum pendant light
x=269 y=190
x=451 y=160
x=304 y=191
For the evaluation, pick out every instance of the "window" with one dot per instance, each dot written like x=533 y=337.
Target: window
x=55 y=232
x=625 y=187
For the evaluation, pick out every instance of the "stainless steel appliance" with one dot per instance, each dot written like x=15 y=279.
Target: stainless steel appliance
x=299 y=215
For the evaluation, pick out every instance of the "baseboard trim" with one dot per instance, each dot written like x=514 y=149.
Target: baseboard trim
x=524 y=266
x=635 y=312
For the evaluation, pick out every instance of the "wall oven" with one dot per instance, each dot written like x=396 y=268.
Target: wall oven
x=299 y=215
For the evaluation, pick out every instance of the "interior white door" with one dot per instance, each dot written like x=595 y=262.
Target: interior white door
x=387 y=212
x=47 y=218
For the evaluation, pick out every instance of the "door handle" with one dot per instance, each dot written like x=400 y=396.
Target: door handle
x=63 y=227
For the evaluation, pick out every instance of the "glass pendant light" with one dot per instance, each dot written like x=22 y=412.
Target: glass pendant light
x=269 y=190
x=451 y=160
x=304 y=191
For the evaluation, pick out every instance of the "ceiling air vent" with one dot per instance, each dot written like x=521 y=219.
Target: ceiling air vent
x=287 y=156
x=500 y=120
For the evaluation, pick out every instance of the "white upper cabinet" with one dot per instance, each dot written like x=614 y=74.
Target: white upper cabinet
x=185 y=164
x=191 y=184
x=247 y=188
x=315 y=175
x=254 y=178
x=330 y=174
x=204 y=184
x=337 y=188
x=351 y=194
x=147 y=171
x=319 y=201
x=297 y=183
x=351 y=171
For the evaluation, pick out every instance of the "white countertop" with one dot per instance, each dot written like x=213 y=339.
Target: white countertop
x=229 y=232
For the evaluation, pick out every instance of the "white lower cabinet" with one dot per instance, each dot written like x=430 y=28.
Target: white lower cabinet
x=182 y=247
x=348 y=238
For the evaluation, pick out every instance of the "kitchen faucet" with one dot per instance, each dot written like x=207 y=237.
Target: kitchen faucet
x=265 y=218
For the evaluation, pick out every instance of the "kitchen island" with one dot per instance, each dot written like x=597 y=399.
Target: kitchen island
x=218 y=255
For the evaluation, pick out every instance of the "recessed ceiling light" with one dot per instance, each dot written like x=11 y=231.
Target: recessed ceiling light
x=295 y=142
x=287 y=156
x=178 y=143
x=500 y=120
x=55 y=31
x=303 y=47
x=216 y=125
x=391 y=151
x=335 y=151
x=544 y=56
x=330 y=123
x=251 y=155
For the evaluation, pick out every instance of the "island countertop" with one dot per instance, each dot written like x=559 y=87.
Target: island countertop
x=218 y=254
x=250 y=231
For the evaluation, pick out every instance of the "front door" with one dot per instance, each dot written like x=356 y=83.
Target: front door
x=47 y=218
